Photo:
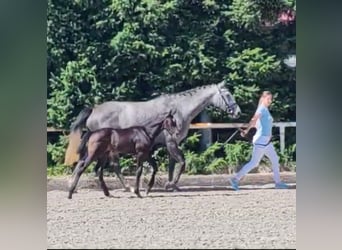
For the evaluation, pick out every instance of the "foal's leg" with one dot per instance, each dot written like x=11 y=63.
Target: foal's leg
x=176 y=154
x=153 y=163
x=81 y=166
x=96 y=170
x=118 y=173
x=72 y=177
x=100 y=164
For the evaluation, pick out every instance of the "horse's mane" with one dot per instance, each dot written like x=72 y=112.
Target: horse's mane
x=188 y=92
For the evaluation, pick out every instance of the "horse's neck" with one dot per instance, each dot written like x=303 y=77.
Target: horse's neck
x=190 y=105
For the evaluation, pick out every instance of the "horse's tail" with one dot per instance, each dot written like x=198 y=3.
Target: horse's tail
x=71 y=154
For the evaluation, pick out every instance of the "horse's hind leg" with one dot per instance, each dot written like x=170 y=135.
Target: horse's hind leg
x=155 y=169
x=117 y=171
x=100 y=164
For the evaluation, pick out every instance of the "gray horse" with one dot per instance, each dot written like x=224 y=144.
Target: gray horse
x=189 y=104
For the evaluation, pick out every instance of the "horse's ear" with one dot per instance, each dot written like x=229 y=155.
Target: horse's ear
x=172 y=112
x=221 y=84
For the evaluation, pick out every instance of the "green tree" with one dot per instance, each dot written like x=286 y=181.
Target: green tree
x=132 y=50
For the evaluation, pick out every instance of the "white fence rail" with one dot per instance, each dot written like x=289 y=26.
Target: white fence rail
x=280 y=125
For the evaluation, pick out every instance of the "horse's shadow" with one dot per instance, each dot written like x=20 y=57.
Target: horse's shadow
x=184 y=192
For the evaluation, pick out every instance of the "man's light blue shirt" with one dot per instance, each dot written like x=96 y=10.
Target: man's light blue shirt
x=263 y=125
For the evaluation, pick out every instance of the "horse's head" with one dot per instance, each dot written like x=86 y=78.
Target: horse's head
x=224 y=100
x=170 y=124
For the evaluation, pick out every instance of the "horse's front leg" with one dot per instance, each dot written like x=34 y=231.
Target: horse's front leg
x=138 y=174
x=172 y=164
x=176 y=155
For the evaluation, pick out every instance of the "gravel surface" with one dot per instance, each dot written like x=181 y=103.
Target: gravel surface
x=250 y=218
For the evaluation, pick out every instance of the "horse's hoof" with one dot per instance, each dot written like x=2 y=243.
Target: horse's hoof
x=168 y=185
x=172 y=186
x=131 y=189
x=175 y=188
x=138 y=194
x=109 y=195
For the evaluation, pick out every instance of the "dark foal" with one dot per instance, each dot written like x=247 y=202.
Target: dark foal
x=107 y=143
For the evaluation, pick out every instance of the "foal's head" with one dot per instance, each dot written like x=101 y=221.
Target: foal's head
x=163 y=121
x=170 y=125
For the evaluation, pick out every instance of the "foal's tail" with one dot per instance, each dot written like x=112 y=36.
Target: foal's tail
x=82 y=147
x=71 y=154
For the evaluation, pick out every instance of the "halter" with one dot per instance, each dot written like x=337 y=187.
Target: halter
x=230 y=108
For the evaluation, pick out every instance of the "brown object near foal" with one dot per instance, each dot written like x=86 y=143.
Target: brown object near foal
x=107 y=143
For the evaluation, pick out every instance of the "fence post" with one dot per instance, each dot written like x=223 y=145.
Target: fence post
x=282 y=137
x=206 y=133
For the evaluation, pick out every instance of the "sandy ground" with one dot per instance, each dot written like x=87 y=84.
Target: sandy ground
x=194 y=218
